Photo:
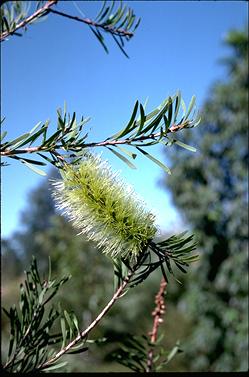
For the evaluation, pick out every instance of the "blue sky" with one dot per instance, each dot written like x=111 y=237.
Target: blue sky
x=177 y=46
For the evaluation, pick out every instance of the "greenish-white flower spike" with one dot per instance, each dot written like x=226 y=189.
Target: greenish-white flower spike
x=104 y=208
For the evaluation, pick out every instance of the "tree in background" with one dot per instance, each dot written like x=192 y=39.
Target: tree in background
x=211 y=191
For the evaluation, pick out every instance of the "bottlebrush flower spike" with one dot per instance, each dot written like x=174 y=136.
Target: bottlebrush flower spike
x=104 y=208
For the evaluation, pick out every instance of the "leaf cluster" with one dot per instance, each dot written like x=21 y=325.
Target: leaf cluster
x=134 y=350
x=66 y=138
x=143 y=130
x=31 y=339
x=177 y=250
x=12 y=13
x=120 y=23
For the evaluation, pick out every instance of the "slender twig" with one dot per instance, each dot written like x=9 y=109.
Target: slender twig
x=88 y=21
x=84 y=333
x=9 y=152
x=40 y=12
x=157 y=314
x=47 y=9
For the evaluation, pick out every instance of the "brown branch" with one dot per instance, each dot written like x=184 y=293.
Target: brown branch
x=90 y=22
x=84 y=333
x=40 y=12
x=157 y=314
x=172 y=129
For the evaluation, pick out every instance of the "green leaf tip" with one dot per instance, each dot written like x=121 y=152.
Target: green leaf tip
x=104 y=208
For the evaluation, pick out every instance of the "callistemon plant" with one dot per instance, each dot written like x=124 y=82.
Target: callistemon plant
x=104 y=208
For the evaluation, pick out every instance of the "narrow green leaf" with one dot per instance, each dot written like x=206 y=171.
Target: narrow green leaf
x=99 y=36
x=137 y=24
x=129 y=125
x=177 y=105
x=110 y=10
x=183 y=108
x=130 y=154
x=101 y=10
x=6 y=24
x=196 y=122
x=159 y=339
x=83 y=122
x=150 y=115
x=141 y=120
x=52 y=139
x=46 y=158
x=116 y=17
x=176 y=241
x=41 y=295
x=124 y=18
x=156 y=358
x=191 y=105
x=68 y=318
x=180 y=267
x=184 y=251
x=159 y=116
x=45 y=131
x=120 y=45
x=117 y=276
x=183 y=145
x=81 y=350
x=75 y=322
x=172 y=353
x=19 y=138
x=170 y=111
x=191 y=258
x=166 y=124
x=131 y=22
x=6 y=312
x=34 y=272
x=64 y=333
x=35 y=127
x=145 y=103
x=60 y=124
x=159 y=111
x=36 y=170
x=33 y=162
x=127 y=18
x=3 y=134
x=123 y=158
x=104 y=14
x=65 y=108
x=159 y=163
x=144 y=144
x=98 y=341
x=12 y=339
x=30 y=139
x=56 y=366
x=73 y=124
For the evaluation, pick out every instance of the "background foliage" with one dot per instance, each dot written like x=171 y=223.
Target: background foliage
x=213 y=198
